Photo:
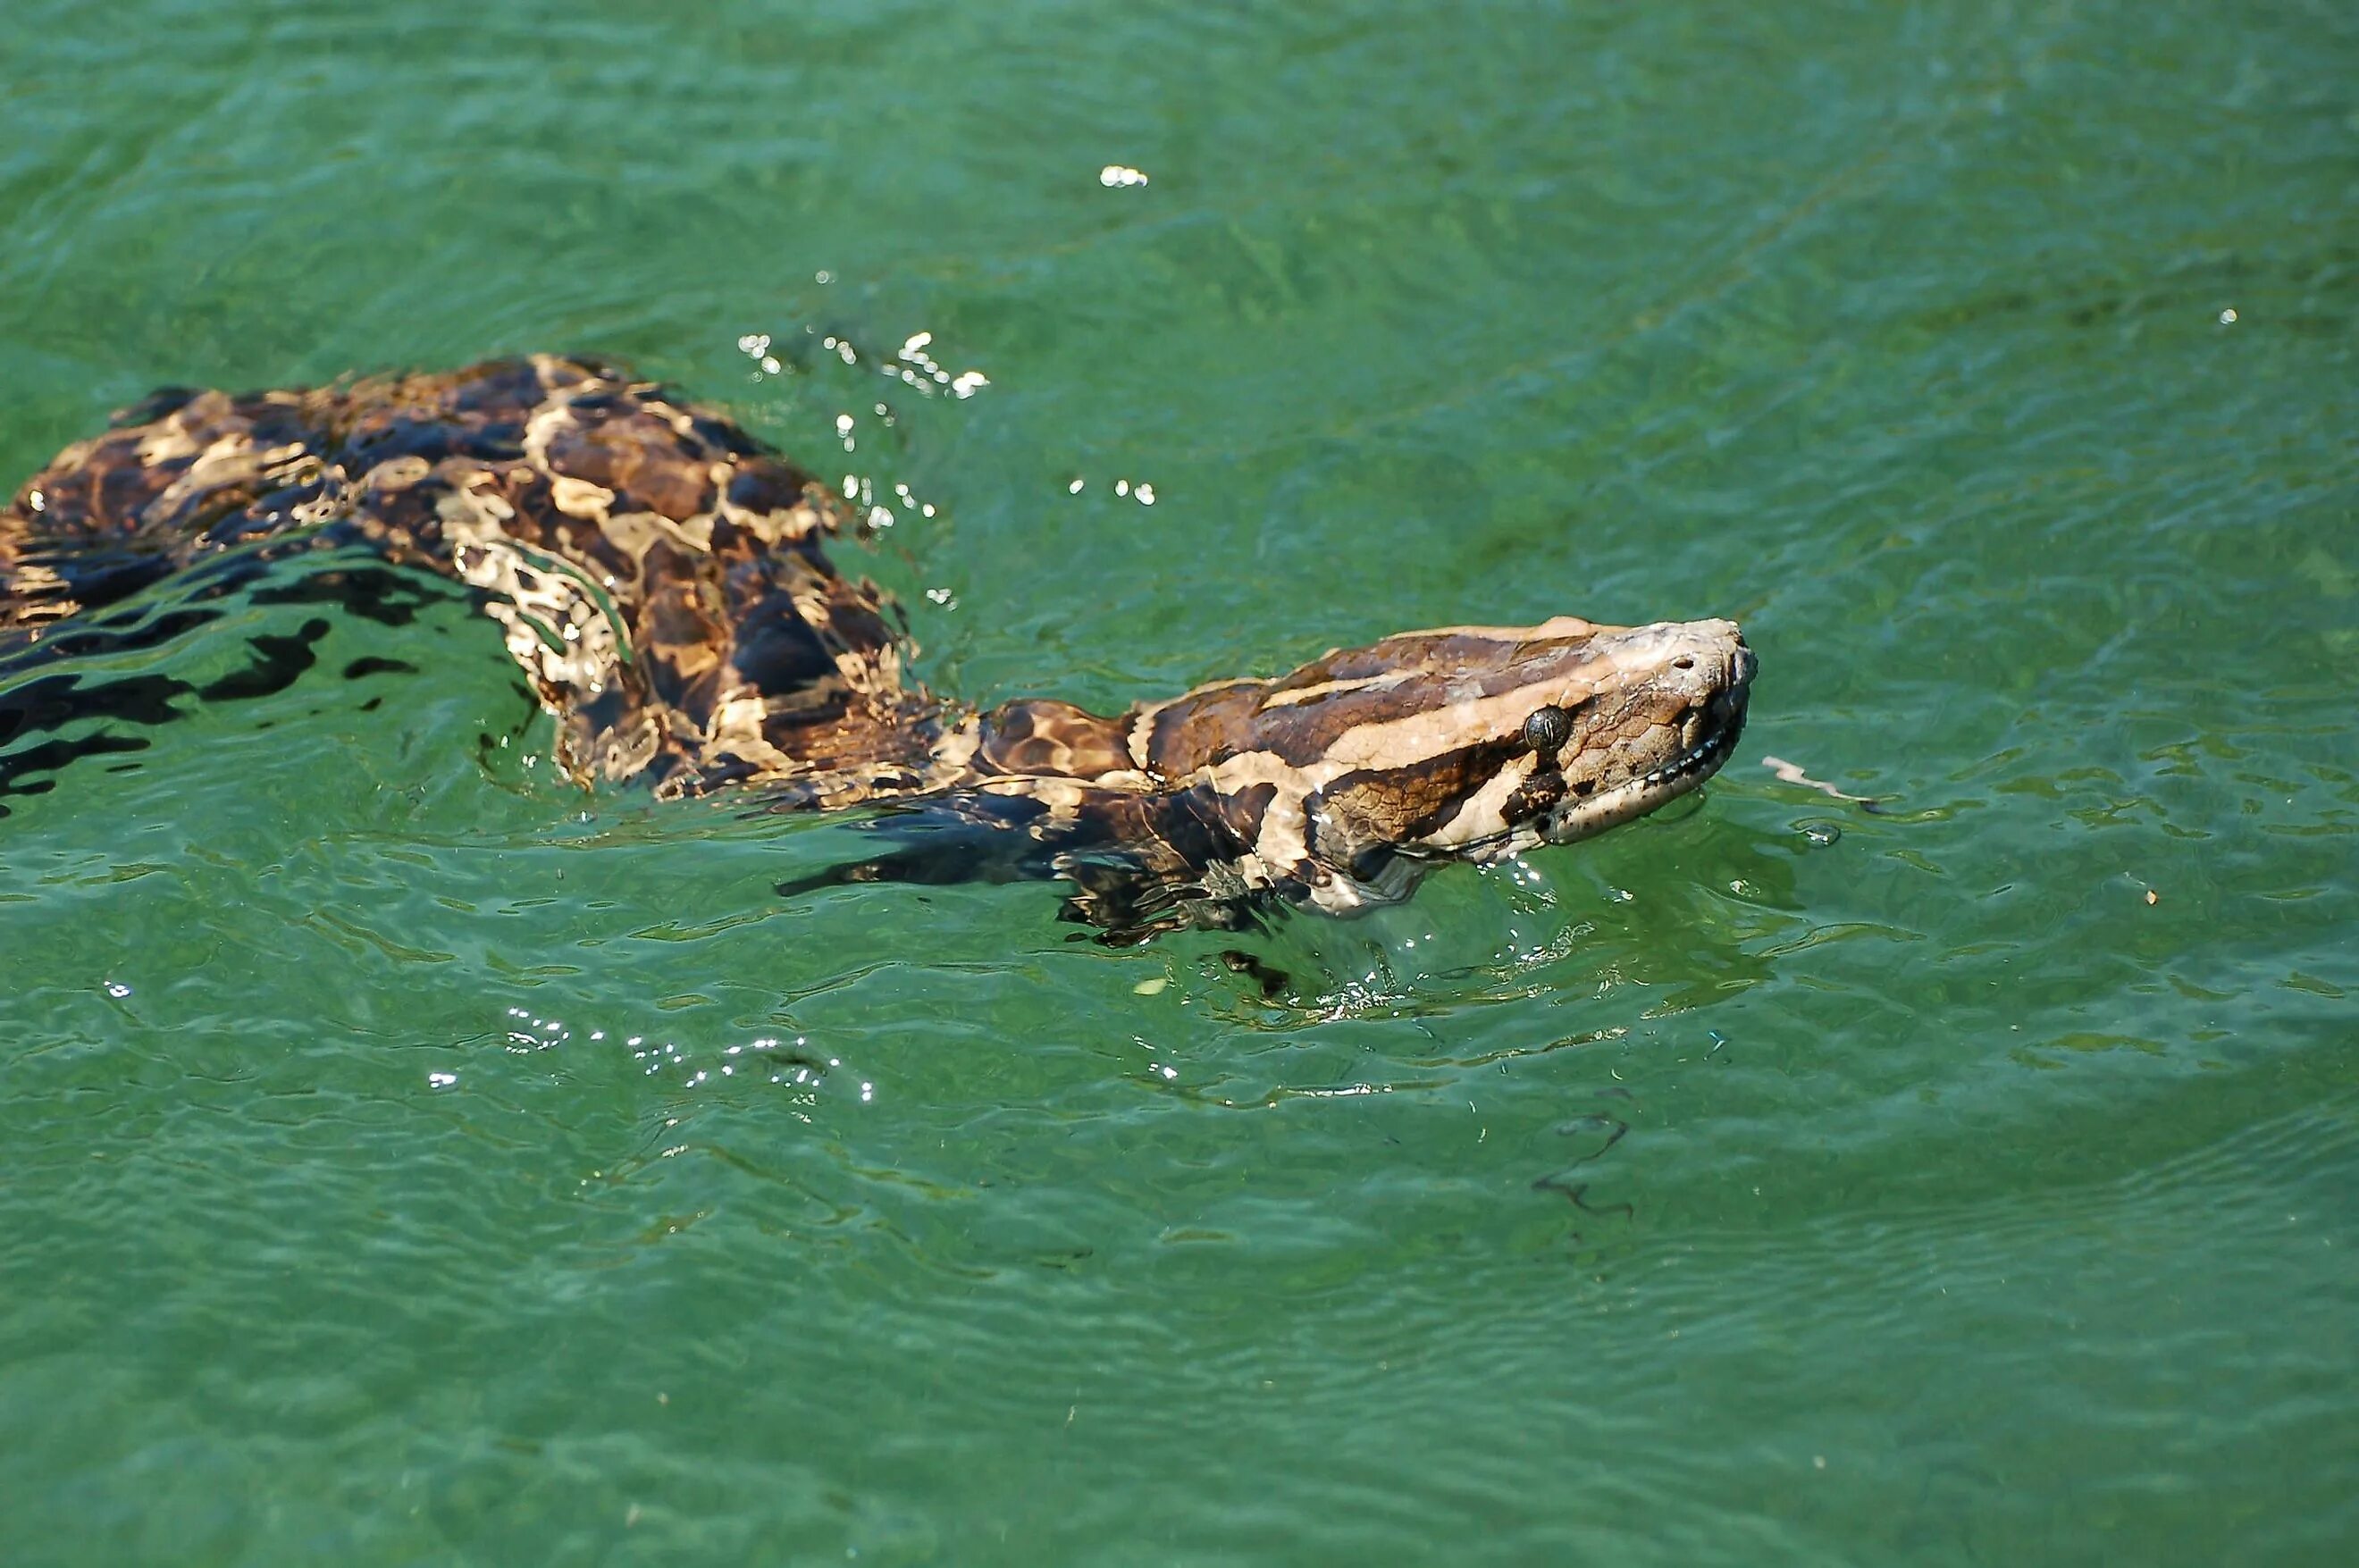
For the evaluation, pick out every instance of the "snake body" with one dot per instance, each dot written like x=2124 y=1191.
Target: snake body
x=661 y=578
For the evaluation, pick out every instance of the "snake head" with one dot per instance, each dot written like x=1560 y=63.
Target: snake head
x=1468 y=742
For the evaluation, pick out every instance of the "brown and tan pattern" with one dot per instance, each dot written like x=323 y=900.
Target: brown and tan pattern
x=661 y=579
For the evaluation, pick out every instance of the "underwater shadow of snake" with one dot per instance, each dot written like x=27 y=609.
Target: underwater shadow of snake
x=33 y=704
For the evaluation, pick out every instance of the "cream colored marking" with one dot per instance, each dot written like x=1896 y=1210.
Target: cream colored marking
x=1063 y=796
x=320 y=508
x=1283 y=839
x=578 y=498
x=1064 y=793
x=557 y=626
x=171 y=441
x=1554 y=627
x=957 y=747
x=632 y=532
x=1288 y=699
x=1135 y=737
x=772 y=528
x=397 y=473
x=484 y=497
x=1398 y=743
x=225 y=462
x=544 y=425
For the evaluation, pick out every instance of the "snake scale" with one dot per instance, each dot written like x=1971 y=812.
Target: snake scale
x=661 y=578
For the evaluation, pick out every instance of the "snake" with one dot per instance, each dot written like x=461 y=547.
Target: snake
x=661 y=578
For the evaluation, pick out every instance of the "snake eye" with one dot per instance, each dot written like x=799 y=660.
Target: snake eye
x=1547 y=729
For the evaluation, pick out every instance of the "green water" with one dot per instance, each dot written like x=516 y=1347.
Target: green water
x=405 y=1160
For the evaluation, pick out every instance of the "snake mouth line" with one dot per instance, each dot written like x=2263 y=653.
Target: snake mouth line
x=1636 y=796
x=1704 y=757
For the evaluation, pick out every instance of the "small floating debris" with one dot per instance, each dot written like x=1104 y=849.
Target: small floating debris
x=1791 y=773
x=1120 y=176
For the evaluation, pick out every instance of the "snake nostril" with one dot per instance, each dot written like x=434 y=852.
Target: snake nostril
x=1684 y=661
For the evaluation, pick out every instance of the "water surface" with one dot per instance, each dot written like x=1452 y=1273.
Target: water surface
x=410 y=1160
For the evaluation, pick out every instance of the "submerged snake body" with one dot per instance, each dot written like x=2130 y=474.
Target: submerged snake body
x=660 y=577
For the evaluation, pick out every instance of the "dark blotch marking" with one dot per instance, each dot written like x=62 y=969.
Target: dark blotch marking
x=777 y=652
x=1404 y=804
x=370 y=664
x=1534 y=796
